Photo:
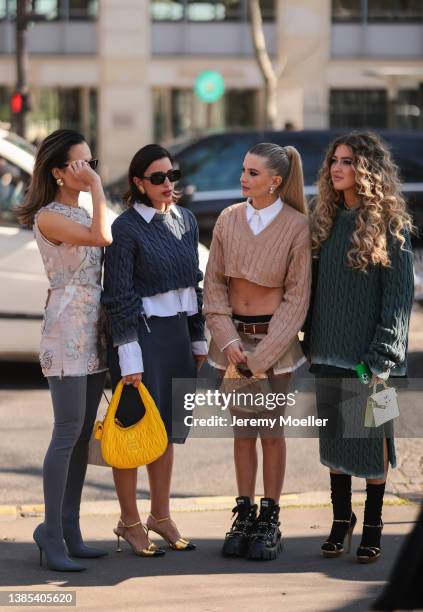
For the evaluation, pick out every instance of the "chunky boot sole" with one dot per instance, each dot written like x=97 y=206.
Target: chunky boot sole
x=264 y=553
x=235 y=547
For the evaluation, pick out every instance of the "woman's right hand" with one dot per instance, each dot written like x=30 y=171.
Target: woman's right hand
x=83 y=172
x=132 y=379
x=235 y=354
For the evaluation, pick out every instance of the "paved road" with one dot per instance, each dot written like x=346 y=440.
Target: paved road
x=203 y=466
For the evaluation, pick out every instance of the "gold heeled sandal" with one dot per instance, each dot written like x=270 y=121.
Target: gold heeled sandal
x=151 y=551
x=180 y=544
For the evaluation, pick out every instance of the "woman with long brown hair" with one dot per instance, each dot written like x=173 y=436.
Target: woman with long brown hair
x=361 y=309
x=256 y=297
x=70 y=244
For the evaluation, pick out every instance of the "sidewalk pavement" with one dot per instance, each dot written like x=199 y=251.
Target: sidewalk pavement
x=300 y=580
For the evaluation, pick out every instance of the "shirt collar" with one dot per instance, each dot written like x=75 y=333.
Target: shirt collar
x=267 y=213
x=148 y=212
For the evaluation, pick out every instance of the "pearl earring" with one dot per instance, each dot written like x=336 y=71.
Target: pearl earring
x=271 y=190
x=60 y=182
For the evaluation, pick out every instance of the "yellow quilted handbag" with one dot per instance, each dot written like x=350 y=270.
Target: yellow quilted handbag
x=138 y=444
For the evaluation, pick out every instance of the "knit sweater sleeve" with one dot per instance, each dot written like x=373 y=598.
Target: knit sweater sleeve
x=217 y=309
x=287 y=320
x=196 y=322
x=119 y=298
x=389 y=344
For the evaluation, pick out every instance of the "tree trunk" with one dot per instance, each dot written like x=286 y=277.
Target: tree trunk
x=270 y=77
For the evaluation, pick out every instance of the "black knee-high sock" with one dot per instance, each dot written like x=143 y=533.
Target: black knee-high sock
x=374 y=503
x=340 y=485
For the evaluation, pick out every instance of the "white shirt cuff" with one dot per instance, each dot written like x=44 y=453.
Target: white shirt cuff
x=228 y=343
x=199 y=347
x=382 y=375
x=130 y=358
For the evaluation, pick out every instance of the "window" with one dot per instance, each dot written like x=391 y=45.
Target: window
x=346 y=10
x=207 y=10
x=240 y=108
x=409 y=111
x=167 y=10
x=215 y=163
x=53 y=9
x=358 y=108
x=13 y=183
x=394 y=10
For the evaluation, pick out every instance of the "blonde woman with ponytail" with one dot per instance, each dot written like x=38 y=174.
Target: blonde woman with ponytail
x=256 y=296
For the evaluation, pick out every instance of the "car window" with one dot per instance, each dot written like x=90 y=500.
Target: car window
x=215 y=164
x=13 y=183
x=407 y=153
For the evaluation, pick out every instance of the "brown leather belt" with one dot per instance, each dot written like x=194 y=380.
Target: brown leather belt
x=252 y=328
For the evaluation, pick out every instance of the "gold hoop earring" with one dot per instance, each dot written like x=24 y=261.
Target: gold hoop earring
x=60 y=182
x=141 y=189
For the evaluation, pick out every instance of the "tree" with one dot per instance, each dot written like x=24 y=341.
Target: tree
x=270 y=73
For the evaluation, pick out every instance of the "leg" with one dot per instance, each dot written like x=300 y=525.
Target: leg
x=77 y=471
x=245 y=456
x=344 y=519
x=274 y=461
x=69 y=398
x=159 y=521
x=126 y=490
x=369 y=549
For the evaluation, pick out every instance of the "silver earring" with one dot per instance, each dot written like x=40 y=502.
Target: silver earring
x=271 y=190
x=60 y=182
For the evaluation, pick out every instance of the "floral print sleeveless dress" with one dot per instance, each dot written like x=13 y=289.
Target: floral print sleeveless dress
x=71 y=342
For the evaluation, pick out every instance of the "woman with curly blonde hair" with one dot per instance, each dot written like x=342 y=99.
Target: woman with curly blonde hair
x=362 y=298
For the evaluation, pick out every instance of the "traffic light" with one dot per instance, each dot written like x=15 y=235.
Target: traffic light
x=20 y=103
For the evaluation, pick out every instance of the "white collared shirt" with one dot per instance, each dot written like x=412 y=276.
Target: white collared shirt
x=258 y=220
x=166 y=304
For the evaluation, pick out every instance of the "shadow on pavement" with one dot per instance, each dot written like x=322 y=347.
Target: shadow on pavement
x=19 y=564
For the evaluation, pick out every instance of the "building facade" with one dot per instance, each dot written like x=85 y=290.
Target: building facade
x=123 y=71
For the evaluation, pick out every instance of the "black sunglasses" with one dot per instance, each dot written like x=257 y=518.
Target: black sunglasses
x=93 y=163
x=158 y=178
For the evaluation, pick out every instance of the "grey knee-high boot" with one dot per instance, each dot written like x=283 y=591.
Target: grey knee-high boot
x=76 y=475
x=68 y=396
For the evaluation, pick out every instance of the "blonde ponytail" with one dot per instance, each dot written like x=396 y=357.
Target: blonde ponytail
x=292 y=188
x=286 y=163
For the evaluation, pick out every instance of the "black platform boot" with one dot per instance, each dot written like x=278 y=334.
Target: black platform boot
x=238 y=537
x=266 y=539
x=344 y=519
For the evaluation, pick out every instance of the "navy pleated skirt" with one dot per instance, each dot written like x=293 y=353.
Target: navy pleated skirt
x=169 y=373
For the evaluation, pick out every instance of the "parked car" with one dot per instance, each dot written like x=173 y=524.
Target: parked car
x=22 y=279
x=211 y=168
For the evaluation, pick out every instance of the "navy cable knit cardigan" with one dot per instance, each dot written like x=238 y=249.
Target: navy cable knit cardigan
x=145 y=259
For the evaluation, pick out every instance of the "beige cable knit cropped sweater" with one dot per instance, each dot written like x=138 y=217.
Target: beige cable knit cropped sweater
x=279 y=256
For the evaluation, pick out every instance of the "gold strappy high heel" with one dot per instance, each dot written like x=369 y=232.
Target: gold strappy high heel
x=151 y=551
x=180 y=544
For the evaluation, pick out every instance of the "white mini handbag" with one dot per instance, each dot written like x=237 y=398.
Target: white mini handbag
x=382 y=406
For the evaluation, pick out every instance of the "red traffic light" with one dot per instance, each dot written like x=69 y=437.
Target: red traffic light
x=16 y=103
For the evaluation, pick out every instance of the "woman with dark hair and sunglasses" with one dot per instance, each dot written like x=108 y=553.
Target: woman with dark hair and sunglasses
x=154 y=305
x=70 y=244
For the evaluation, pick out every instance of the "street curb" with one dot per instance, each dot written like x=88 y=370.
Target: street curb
x=313 y=499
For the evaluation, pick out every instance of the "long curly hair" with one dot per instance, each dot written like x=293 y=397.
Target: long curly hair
x=382 y=209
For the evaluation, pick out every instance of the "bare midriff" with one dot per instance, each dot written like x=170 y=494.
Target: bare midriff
x=249 y=299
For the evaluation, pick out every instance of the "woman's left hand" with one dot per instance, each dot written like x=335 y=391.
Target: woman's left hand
x=199 y=360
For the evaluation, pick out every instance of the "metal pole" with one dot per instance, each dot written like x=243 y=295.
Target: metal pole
x=21 y=62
